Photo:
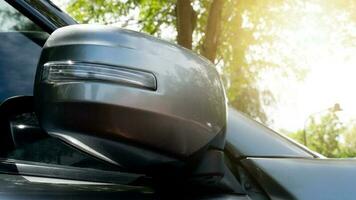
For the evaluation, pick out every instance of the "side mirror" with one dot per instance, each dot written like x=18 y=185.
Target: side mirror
x=128 y=98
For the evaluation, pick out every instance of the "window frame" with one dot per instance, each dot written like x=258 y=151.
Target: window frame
x=43 y=13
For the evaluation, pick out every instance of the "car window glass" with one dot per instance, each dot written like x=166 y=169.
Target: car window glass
x=12 y=20
x=20 y=48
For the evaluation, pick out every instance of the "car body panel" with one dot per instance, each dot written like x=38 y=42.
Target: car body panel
x=300 y=178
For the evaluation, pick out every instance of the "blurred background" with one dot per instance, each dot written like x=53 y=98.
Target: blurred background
x=289 y=64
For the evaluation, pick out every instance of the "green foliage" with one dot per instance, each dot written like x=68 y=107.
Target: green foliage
x=328 y=136
x=324 y=136
x=297 y=136
x=155 y=15
x=104 y=12
x=148 y=16
x=348 y=149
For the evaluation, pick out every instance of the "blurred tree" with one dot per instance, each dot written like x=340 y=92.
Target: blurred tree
x=297 y=135
x=324 y=135
x=348 y=148
x=235 y=35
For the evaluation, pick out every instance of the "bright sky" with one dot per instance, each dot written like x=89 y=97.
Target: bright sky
x=320 y=42
x=331 y=80
x=316 y=41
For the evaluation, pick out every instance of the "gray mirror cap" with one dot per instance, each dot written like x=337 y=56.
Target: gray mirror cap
x=127 y=87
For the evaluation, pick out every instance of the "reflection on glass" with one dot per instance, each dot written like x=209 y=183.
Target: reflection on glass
x=21 y=44
x=12 y=20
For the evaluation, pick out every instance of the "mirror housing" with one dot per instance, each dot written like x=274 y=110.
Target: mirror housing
x=128 y=98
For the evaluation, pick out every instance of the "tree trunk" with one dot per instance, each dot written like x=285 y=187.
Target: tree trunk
x=186 y=18
x=212 y=31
